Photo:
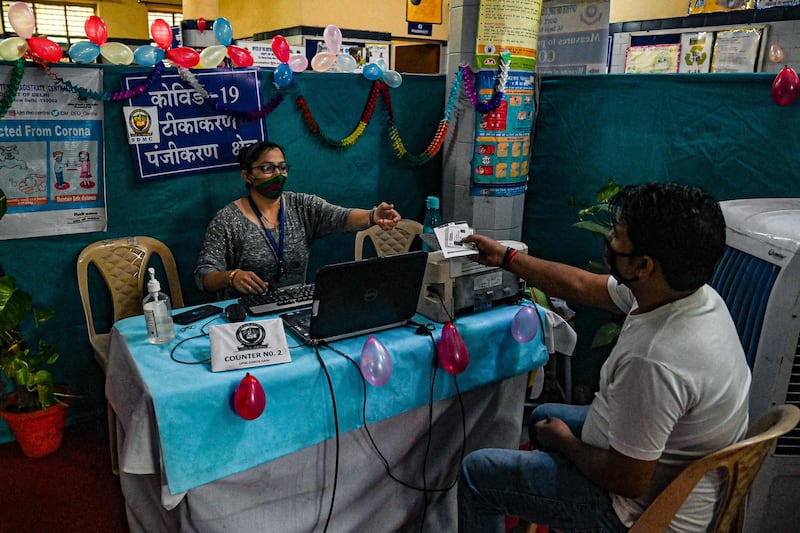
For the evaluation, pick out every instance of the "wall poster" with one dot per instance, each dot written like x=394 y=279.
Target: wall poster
x=508 y=25
x=696 y=51
x=573 y=38
x=502 y=137
x=736 y=50
x=51 y=155
x=652 y=59
x=174 y=132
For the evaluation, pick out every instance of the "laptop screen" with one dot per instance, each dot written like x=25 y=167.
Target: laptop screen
x=358 y=297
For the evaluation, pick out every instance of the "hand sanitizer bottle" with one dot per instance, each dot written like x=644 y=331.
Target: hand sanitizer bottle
x=432 y=218
x=157 y=312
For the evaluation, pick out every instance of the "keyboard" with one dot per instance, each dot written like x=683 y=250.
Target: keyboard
x=278 y=300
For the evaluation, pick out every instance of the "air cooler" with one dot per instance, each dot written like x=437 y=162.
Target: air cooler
x=759 y=278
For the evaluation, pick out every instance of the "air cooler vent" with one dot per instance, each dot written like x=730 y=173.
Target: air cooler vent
x=745 y=283
x=789 y=444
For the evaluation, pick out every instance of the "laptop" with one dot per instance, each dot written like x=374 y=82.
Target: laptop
x=359 y=297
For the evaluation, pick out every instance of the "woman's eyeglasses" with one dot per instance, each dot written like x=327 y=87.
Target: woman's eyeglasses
x=269 y=168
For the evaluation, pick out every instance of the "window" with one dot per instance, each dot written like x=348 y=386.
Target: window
x=173 y=19
x=63 y=24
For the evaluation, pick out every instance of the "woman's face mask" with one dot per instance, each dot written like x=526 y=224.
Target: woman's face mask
x=270 y=188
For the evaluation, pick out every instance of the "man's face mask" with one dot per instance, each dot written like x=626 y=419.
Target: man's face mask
x=611 y=260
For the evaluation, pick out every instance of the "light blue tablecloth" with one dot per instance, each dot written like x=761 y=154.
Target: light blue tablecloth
x=202 y=439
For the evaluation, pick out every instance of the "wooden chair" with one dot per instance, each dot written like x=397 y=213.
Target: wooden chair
x=394 y=241
x=122 y=263
x=742 y=462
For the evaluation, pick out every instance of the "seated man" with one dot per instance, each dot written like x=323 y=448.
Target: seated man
x=674 y=388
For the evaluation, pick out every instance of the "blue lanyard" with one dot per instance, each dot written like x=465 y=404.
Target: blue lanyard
x=277 y=248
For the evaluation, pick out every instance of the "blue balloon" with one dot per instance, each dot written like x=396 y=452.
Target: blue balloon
x=223 y=31
x=84 y=52
x=148 y=55
x=283 y=75
x=372 y=71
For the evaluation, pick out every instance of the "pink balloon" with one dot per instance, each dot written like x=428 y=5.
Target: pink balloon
x=333 y=38
x=323 y=61
x=183 y=56
x=241 y=57
x=96 y=30
x=249 y=400
x=281 y=48
x=46 y=49
x=162 y=33
x=22 y=19
x=525 y=325
x=298 y=63
x=452 y=352
x=376 y=363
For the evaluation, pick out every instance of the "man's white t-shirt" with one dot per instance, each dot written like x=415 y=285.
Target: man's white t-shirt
x=674 y=388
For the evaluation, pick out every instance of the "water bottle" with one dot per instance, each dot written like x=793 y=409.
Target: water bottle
x=432 y=218
x=157 y=312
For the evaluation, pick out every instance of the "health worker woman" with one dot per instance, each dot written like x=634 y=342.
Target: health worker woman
x=264 y=238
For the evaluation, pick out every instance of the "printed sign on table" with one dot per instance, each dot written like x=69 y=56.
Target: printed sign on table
x=188 y=135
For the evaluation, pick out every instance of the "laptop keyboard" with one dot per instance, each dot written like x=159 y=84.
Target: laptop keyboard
x=278 y=300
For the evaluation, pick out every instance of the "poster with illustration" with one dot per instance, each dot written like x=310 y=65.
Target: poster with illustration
x=652 y=59
x=696 y=50
x=51 y=156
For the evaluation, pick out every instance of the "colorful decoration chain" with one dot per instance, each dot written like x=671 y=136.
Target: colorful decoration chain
x=10 y=95
x=351 y=139
x=499 y=85
x=189 y=77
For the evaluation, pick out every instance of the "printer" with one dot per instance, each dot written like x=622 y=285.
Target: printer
x=458 y=285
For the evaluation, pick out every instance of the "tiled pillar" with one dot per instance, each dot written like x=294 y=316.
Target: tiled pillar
x=497 y=217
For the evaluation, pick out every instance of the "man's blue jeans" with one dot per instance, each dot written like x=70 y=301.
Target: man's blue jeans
x=543 y=488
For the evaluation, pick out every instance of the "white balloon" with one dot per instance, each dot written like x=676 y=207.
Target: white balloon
x=212 y=56
x=13 y=48
x=392 y=79
x=345 y=63
x=117 y=53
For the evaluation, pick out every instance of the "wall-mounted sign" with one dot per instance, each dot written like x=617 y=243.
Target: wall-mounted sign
x=420 y=28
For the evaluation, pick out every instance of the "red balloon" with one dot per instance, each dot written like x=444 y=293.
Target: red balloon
x=162 y=33
x=249 y=399
x=281 y=48
x=452 y=352
x=96 y=30
x=241 y=57
x=785 y=87
x=201 y=24
x=46 y=49
x=183 y=56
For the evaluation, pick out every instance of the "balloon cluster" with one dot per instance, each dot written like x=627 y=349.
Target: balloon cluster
x=22 y=19
x=785 y=87
x=289 y=63
x=376 y=71
x=325 y=61
x=97 y=32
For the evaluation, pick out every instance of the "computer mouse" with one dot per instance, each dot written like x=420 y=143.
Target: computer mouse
x=235 y=312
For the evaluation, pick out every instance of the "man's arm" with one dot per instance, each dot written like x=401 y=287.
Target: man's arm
x=608 y=469
x=555 y=279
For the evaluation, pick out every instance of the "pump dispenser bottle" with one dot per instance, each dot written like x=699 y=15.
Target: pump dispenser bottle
x=157 y=312
x=432 y=218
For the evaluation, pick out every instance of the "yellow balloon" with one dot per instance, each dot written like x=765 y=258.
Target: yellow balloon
x=117 y=53
x=13 y=48
x=212 y=56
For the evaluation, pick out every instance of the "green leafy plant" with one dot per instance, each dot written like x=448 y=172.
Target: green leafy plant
x=20 y=364
x=598 y=219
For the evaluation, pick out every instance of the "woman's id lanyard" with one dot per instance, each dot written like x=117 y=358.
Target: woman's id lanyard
x=277 y=248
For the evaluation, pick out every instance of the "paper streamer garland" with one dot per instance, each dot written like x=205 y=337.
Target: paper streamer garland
x=17 y=71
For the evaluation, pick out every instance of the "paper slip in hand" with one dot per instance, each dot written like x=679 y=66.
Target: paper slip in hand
x=450 y=237
x=245 y=344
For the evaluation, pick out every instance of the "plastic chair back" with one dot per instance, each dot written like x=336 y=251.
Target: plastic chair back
x=395 y=241
x=741 y=461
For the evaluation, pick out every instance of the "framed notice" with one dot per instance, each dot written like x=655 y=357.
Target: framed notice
x=736 y=50
x=765 y=4
x=652 y=59
x=174 y=131
x=429 y=11
x=696 y=51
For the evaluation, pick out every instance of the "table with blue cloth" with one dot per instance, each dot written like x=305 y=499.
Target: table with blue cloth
x=188 y=462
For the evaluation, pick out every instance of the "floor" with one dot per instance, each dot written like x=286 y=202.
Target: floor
x=71 y=490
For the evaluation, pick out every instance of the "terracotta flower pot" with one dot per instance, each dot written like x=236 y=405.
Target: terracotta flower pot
x=39 y=432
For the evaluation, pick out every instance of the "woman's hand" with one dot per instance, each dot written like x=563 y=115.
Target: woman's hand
x=248 y=282
x=385 y=216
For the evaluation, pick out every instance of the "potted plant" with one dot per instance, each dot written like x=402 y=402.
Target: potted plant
x=34 y=407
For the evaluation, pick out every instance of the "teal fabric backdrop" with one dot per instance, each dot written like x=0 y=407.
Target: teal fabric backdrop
x=177 y=210
x=722 y=132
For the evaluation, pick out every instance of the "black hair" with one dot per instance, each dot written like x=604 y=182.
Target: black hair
x=250 y=154
x=680 y=226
